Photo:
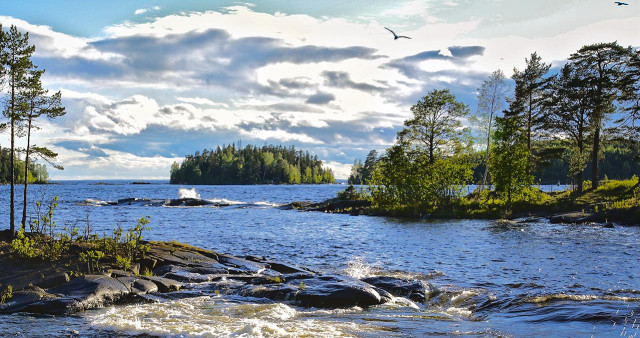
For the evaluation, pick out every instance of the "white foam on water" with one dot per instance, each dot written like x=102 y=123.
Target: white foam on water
x=268 y=204
x=225 y=201
x=93 y=202
x=358 y=268
x=188 y=193
x=207 y=316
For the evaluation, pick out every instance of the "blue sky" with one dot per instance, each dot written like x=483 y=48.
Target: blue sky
x=147 y=82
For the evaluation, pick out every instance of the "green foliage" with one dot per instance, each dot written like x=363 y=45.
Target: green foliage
x=44 y=223
x=361 y=173
x=251 y=165
x=23 y=247
x=428 y=167
x=435 y=129
x=509 y=165
x=147 y=272
x=6 y=293
x=37 y=173
x=350 y=193
x=92 y=258
x=123 y=263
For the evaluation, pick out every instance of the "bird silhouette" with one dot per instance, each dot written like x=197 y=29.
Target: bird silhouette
x=396 y=36
x=621 y=3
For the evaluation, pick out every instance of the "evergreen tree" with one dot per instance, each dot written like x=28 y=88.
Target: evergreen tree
x=527 y=105
x=569 y=104
x=602 y=68
x=16 y=61
x=34 y=103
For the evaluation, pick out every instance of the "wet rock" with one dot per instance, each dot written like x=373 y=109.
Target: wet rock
x=573 y=217
x=54 y=280
x=82 y=293
x=138 y=285
x=276 y=292
x=240 y=265
x=191 y=202
x=119 y=273
x=609 y=225
x=416 y=290
x=23 y=298
x=336 y=292
x=164 y=284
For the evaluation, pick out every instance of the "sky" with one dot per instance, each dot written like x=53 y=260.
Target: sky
x=145 y=83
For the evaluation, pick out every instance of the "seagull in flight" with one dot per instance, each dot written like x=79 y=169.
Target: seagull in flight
x=621 y=3
x=396 y=36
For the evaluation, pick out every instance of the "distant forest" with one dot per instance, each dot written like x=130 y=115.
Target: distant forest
x=251 y=165
x=37 y=172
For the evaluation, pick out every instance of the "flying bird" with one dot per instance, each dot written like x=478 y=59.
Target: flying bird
x=621 y=3
x=396 y=36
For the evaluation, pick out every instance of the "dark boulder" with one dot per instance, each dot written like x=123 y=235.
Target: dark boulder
x=336 y=292
x=416 y=290
x=164 y=284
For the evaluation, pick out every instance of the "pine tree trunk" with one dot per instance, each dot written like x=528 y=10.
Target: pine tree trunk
x=12 y=226
x=595 y=173
x=23 y=225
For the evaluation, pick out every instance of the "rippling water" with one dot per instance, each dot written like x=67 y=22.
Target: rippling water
x=496 y=278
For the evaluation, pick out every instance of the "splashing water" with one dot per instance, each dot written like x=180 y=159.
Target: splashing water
x=188 y=193
x=358 y=268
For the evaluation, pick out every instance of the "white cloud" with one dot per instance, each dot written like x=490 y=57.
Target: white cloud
x=201 y=101
x=145 y=10
x=340 y=170
x=50 y=43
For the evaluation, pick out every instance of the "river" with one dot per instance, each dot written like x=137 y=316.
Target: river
x=495 y=278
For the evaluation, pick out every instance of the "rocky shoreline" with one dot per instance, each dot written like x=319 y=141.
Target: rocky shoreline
x=181 y=271
x=363 y=207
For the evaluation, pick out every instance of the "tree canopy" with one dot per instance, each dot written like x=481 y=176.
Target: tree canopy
x=251 y=165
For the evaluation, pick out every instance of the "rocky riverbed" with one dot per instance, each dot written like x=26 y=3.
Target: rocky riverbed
x=180 y=271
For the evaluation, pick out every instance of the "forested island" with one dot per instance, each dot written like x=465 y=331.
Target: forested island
x=251 y=165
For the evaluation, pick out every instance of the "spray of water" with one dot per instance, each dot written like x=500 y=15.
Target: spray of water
x=188 y=193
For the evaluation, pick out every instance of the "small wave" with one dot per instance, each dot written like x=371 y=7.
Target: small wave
x=188 y=193
x=95 y=202
x=578 y=298
x=224 y=201
x=268 y=204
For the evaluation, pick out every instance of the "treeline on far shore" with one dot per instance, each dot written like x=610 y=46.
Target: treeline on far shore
x=233 y=164
x=37 y=172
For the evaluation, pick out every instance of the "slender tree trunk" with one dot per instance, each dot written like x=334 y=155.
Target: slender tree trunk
x=595 y=173
x=12 y=226
x=486 y=159
x=23 y=225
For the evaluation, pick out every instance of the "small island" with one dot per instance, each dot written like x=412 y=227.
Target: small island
x=251 y=165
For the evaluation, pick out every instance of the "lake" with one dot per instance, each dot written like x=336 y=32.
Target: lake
x=495 y=278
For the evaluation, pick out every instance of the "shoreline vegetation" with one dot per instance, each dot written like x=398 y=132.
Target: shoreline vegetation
x=613 y=201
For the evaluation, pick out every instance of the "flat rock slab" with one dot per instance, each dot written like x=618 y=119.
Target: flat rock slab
x=573 y=218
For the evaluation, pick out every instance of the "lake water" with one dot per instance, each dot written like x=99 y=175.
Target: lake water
x=495 y=278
